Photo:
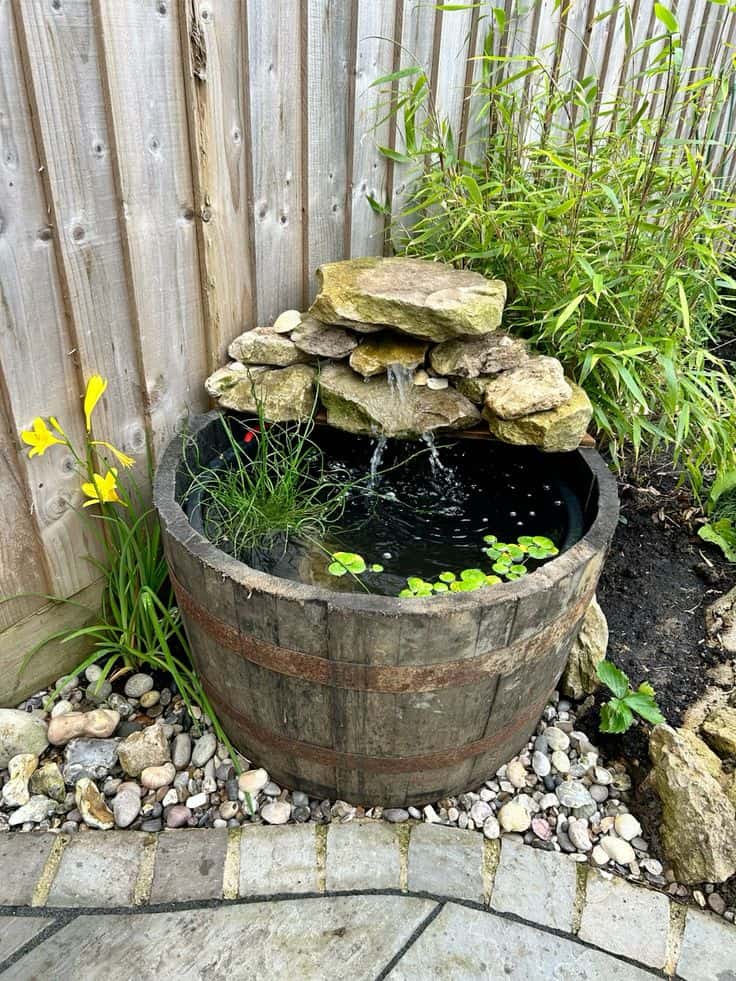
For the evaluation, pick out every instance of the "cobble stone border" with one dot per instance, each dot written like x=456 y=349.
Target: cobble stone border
x=546 y=890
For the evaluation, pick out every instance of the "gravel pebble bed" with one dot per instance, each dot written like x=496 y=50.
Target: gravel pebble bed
x=136 y=759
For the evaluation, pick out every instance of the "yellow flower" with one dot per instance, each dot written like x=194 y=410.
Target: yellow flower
x=102 y=489
x=123 y=459
x=40 y=437
x=95 y=388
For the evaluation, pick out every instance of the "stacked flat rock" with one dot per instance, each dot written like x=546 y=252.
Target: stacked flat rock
x=400 y=347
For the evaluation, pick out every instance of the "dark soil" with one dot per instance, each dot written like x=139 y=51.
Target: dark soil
x=658 y=580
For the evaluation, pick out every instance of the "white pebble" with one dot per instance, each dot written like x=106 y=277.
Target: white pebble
x=627 y=827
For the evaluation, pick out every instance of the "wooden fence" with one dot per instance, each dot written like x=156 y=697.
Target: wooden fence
x=172 y=172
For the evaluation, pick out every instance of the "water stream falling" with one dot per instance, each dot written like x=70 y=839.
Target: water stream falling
x=434 y=454
x=376 y=459
x=400 y=380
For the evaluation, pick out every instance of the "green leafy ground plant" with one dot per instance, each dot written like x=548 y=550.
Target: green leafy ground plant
x=617 y=714
x=720 y=529
x=608 y=214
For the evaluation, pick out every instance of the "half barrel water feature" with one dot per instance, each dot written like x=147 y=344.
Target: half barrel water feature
x=373 y=698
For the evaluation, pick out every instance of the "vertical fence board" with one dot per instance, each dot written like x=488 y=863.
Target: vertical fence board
x=275 y=60
x=142 y=65
x=39 y=370
x=370 y=171
x=62 y=64
x=215 y=44
x=22 y=567
x=173 y=172
x=451 y=87
x=418 y=24
x=330 y=89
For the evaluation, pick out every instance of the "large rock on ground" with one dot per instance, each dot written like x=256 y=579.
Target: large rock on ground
x=376 y=354
x=485 y=355
x=555 y=431
x=266 y=346
x=538 y=385
x=429 y=300
x=285 y=393
x=20 y=732
x=720 y=621
x=719 y=730
x=316 y=338
x=374 y=407
x=588 y=650
x=698 y=820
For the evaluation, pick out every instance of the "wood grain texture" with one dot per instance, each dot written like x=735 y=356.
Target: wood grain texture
x=62 y=65
x=215 y=44
x=275 y=74
x=370 y=171
x=330 y=100
x=418 y=26
x=144 y=86
x=52 y=661
x=22 y=561
x=451 y=80
x=39 y=365
x=172 y=171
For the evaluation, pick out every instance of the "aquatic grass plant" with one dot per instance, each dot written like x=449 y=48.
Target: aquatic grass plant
x=270 y=485
x=137 y=624
x=609 y=214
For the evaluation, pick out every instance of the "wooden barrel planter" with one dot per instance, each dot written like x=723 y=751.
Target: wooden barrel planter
x=375 y=699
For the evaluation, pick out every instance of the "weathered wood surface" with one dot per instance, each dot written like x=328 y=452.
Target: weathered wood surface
x=171 y=173
x=373 y=698
x=52 y=661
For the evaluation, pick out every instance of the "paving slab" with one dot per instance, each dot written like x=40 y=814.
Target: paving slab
x=189 y=865
x=18 y=930
x=446 y=862
x=98 y=869
x=362 y=855
x=22 y=857
x=708 y=949
x=626 y=919
x=331 y=938
x=471 y=945
x=536 y=885
x=278 y=860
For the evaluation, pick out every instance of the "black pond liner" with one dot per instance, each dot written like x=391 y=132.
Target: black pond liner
x=425 y=511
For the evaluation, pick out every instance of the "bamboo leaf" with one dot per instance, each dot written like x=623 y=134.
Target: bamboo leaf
x=666 y=17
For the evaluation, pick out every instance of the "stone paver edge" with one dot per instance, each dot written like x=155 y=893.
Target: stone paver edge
x=252 y=849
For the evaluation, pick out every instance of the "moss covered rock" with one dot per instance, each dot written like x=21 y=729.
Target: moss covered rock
x=698 y=829
x=375 y=355
x=429 y=300
x=285 y=393
x=373 y=407
x=554 y=431
x=588 y=650
x=538 y=385
x=264 y=346
x=485 y=355
x=719 y=730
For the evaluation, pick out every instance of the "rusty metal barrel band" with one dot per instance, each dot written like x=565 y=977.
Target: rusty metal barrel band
x=326 y=756
x=388 y=679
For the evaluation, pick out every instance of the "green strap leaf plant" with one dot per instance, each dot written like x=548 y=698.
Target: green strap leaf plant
x=617 y=714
